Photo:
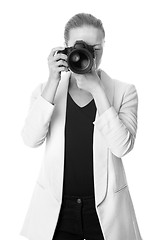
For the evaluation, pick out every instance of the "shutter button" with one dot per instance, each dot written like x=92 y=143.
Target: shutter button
x=79 y=200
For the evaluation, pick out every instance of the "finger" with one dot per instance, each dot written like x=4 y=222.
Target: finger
x=61 y=62
x=94 y=65
x=59 y=56
x=63 y=69
x=54 y=50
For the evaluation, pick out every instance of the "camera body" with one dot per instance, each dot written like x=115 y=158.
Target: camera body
x=80 y=57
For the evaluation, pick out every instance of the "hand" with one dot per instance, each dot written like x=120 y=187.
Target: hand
x=57 y=63
x=89 y=81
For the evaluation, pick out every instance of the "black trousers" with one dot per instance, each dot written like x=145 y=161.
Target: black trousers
x=78 y=220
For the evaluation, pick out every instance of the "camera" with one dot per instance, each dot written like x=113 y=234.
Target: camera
x=80 y=57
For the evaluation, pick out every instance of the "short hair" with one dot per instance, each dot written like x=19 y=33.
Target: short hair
x=79 y=20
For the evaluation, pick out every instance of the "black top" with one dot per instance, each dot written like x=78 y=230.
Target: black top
x=78 y=165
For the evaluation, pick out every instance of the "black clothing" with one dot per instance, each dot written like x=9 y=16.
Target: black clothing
x=78 y=220
x=78 y=217
x=78 y=165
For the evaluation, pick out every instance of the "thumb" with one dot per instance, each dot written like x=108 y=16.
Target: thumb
x=94 y=65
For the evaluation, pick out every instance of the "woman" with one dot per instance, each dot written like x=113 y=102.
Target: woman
x=89 y=121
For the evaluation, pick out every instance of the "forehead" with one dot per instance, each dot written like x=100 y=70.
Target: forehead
x=89 y=34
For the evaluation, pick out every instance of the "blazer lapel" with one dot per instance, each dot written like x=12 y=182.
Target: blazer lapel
x=100 y=151
x=56 y=166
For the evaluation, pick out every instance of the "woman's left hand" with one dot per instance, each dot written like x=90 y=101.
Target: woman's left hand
x=89 y=81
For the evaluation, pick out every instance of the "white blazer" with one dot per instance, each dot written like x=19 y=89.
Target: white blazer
x=113 y=137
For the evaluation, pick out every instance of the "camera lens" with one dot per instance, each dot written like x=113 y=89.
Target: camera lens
x=75 y=57
x=80 y=60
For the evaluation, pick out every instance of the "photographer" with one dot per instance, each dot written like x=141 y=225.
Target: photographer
x=89 y=122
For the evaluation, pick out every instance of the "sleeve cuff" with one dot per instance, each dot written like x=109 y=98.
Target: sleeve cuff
x=43 y=104
x=105 y=118
x=41 y=110
x=46 y=103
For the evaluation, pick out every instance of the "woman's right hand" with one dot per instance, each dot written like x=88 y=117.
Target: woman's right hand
x=57 y=63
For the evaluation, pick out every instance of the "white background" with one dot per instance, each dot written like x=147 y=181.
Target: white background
x=29 y=30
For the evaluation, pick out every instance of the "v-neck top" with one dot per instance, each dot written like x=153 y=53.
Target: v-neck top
x=78 y=161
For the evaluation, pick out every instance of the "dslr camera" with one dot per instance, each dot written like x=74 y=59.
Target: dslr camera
x=80 y=57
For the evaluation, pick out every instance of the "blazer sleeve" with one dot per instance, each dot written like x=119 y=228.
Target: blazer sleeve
x=37 y=121
x=119 y=128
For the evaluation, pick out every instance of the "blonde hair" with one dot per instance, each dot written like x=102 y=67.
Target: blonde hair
x=80 y=20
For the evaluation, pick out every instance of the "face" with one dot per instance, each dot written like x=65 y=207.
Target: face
x=92 y=36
